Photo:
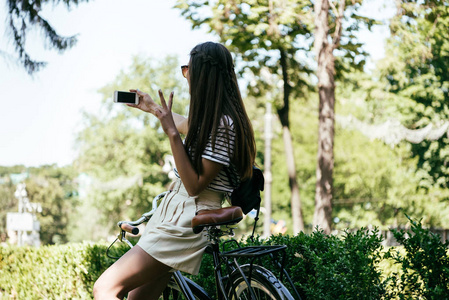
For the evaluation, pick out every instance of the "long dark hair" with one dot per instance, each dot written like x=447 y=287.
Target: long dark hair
x=215 y=93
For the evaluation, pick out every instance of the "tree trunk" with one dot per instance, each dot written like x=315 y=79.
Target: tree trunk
x=298 y=221
x=326 y=90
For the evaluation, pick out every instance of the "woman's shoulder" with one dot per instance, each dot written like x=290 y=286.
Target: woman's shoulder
x=225 y=129
x=226 y=121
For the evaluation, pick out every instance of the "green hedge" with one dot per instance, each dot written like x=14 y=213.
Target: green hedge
x=424 y=265
x=352 y=266
x=52 y=272
x=324 y=266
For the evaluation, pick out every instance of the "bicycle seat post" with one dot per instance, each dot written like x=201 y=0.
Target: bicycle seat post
x=214 y=233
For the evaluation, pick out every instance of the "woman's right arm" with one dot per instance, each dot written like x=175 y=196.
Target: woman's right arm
x=194 y=183
x=151 y=107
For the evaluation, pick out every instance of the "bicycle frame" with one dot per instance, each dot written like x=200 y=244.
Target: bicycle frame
x=184 y=287
x=218 y=261
x=214 y=235
x=220 y=258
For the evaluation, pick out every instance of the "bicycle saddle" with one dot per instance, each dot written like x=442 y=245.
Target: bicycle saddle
x=221 y=216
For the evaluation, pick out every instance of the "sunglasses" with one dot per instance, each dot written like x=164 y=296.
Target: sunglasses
x=184 y=69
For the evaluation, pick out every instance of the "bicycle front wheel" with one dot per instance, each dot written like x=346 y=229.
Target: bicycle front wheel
x=264 y=284
x=173 y=292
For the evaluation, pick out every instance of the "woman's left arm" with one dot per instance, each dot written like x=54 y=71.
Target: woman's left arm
x=181 y=123
x=193 y=182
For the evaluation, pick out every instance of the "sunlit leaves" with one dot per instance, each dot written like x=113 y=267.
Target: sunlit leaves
x=415 y=68
x=123 y=149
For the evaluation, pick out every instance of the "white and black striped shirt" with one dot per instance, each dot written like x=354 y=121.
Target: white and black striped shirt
x=224 y=149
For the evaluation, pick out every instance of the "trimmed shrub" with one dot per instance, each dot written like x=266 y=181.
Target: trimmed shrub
x=52 y=272
x=352 y=266
x=330 y=267
x=424 y=265
x=321 y=266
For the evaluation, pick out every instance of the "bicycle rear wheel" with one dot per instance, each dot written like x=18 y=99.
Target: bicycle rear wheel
x=173 y=292
x=264 y=284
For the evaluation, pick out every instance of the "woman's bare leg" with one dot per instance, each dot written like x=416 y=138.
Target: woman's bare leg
x=151 y=290
x=134 y=269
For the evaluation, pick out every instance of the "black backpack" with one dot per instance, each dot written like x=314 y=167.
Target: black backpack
x=247 y=194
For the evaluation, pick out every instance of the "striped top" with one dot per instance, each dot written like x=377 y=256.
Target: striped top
x=221 y=155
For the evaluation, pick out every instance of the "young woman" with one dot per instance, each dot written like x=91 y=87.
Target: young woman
x=219 y=142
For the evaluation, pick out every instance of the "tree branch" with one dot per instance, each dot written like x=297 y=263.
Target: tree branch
x=23 y=15
x=273 y=29
x=338 y=21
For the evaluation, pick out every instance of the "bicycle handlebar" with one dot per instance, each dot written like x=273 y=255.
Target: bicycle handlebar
x=130 y=226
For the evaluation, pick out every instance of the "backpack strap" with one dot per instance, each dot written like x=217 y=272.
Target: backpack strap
x=255 y=223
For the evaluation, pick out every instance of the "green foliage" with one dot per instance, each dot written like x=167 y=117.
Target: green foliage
x=259 y=34
x=424 y=266
x=264 y=33
x=321 y=266
x=54 y=188
x=8 y=203
x=351 y=266
x=415 y=72
x=5 y=171
x=304 y=138
x=330 y=267
x=373 y=192
x=355 y=265
x=122 y=150
x=375 y=184
x=52 y=272
x=272 y=41
x=51 y=186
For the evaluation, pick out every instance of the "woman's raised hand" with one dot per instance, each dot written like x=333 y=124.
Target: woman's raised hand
x=146 y=103
x=162 y=112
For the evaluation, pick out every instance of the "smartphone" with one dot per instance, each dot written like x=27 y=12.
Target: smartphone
x=126 y=97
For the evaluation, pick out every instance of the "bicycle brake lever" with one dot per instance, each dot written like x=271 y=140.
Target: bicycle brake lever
x=121 y=235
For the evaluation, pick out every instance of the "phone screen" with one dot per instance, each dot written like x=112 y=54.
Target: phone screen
x=126 y=97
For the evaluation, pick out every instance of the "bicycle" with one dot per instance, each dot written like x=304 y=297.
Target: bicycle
x=232 y=280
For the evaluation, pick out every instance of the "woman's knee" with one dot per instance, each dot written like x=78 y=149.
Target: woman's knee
x=132 y=270
x=100 y=289
x=104 y=290
x=97 y=289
